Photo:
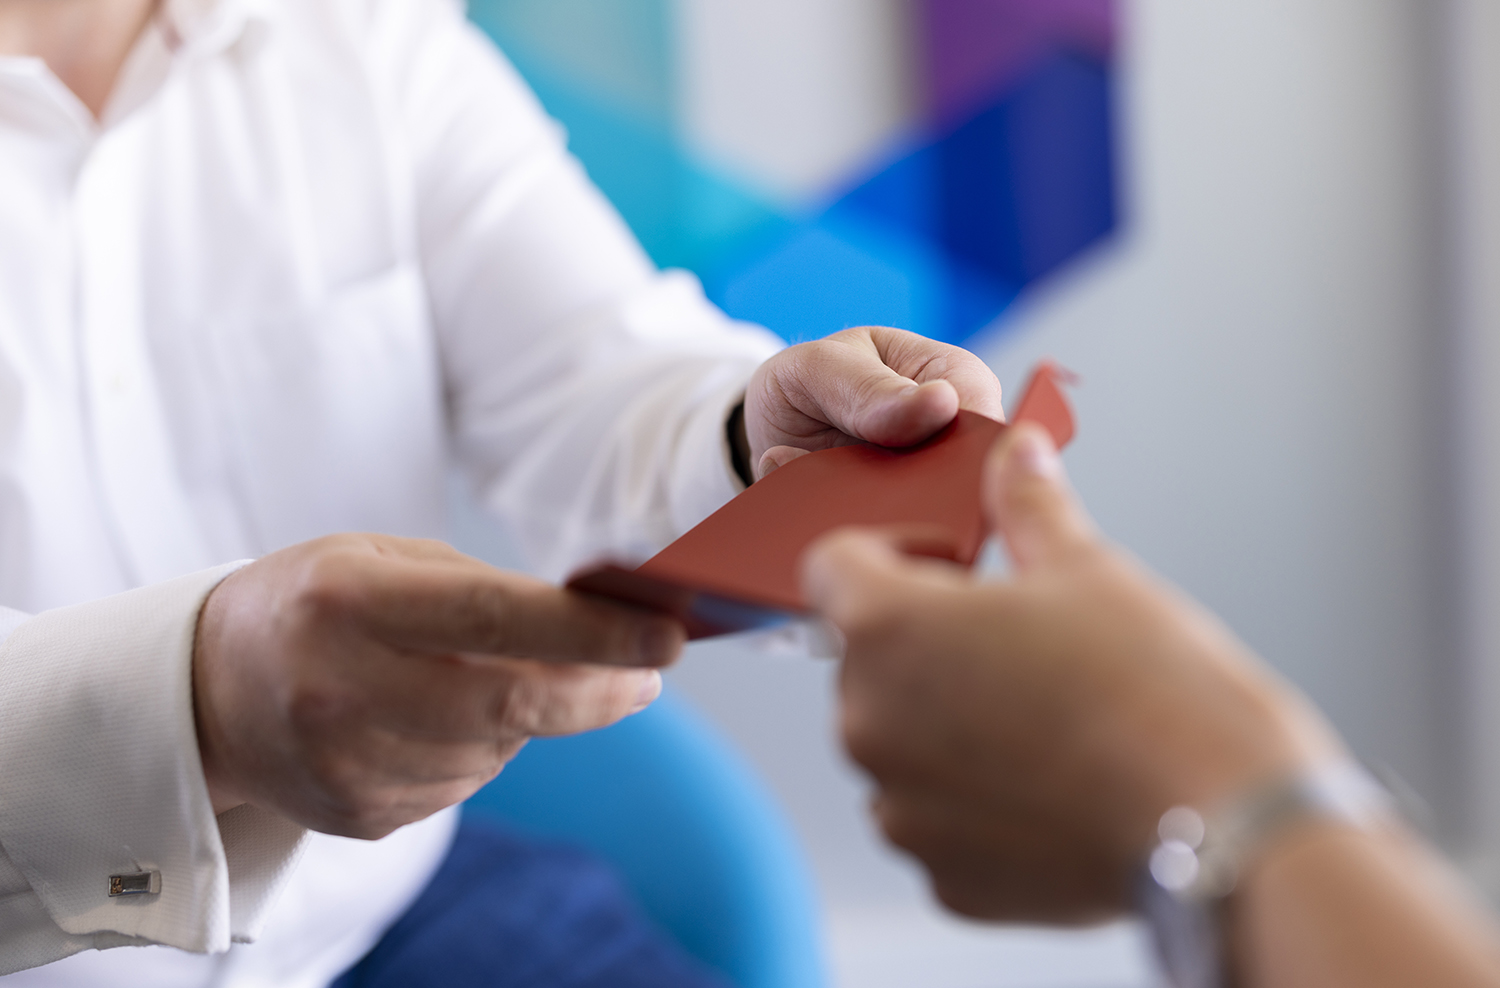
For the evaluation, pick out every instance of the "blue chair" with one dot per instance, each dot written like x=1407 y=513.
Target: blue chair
x=691 y=830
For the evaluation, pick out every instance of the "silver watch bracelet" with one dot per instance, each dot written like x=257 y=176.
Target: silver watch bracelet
x=1199 y=858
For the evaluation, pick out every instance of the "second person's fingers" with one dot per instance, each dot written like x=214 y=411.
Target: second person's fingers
x=1028 y=499
x=853 y=575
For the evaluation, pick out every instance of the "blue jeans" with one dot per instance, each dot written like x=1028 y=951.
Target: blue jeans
x=504 y=911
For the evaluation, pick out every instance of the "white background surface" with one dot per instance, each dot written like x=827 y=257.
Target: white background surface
x=1262 y=351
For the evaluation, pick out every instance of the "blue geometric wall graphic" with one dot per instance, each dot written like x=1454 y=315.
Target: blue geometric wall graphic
x=1009 y=178
x=1011 y=194
x=820 y=278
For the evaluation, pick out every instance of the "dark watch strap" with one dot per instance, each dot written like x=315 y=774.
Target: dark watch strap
x=739 y=452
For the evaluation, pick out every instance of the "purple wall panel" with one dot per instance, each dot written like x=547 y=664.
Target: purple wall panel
x=974 y=48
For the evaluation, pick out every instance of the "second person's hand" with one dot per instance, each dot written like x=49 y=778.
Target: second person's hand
x=1025 y=736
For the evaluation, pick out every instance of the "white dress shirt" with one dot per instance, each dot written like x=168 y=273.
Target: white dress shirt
x=314 y=252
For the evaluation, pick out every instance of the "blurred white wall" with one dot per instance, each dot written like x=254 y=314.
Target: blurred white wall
x=798 y=93
x=1261 y=351
x=1470 y=53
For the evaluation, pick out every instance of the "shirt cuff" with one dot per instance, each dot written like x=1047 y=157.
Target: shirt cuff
x=102 y=777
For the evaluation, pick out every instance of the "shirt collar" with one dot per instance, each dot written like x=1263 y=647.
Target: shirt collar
x=209 y=26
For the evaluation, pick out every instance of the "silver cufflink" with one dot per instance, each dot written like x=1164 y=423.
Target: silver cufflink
x=138 y=883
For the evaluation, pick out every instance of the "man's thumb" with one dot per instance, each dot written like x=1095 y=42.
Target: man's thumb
x=1028 y=500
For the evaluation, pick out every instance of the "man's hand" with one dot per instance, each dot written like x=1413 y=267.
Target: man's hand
x=1027 y=735
x=358 y=683
x=872 y=384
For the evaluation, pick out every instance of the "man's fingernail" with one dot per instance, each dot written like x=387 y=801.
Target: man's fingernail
x=658 y=643
x=1035 y=454
x=650 y=690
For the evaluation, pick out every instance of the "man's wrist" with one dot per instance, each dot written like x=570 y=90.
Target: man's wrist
x=220 y=796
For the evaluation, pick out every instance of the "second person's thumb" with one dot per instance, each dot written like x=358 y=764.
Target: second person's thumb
x=1029 y=502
